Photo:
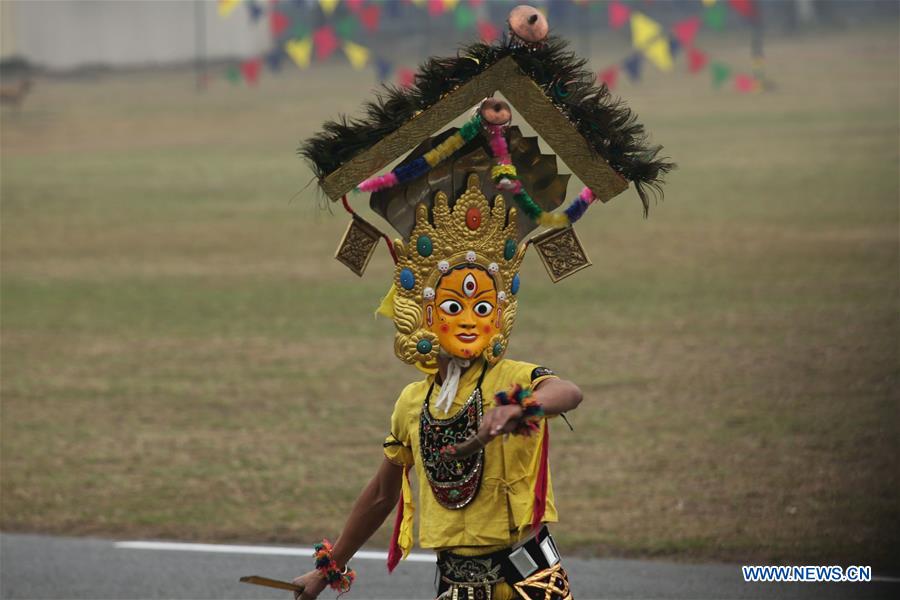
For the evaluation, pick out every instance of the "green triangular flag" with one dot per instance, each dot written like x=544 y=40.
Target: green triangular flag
x=715 y=16
x=464 y=17
x=346 y=28
x=299 y=31
x=233 y=74
x=720 y=73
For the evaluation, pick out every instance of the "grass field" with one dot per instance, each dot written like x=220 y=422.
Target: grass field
x=182 y=358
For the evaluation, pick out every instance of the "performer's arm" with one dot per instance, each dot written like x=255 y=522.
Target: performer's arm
x=555 y=395
x=369 y=511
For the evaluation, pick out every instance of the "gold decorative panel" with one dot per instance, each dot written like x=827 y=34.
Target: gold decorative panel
x=561 y=252
x=358 y=245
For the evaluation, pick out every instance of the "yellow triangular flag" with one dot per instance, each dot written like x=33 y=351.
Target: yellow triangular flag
x=357 y=55
x=660 y=54
x=300 y=51
x=419 y=2
x=708 y=2
x=644 y=30
x=449 y=5
x=226 y=6
x=328 y=6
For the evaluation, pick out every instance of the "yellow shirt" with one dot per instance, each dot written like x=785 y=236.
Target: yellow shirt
x=502 y=508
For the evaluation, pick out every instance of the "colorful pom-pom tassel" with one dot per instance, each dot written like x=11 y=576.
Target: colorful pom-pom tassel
x=425 y=163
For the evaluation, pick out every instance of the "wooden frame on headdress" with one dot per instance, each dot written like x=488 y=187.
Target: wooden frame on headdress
x=526 y=97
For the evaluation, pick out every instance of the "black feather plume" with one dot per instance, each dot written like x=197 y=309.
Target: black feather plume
x=607 y=124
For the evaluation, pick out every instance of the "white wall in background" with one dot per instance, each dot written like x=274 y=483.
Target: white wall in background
x=64 y=34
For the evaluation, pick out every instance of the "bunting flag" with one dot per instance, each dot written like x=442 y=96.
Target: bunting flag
x=644 y=31
x=450 y=5
x=278 y=23
x=696 y=60
x=355 y=5
x=720 y=73
x=609 y=76
x=708 y=2
x=659 y=53
x=714 y=17
x=383 y=68
x=300 y=51
x=300 y=31
x=405 y=77
x=233 y=74
x=618 y=14
x=464 y=17
x=745 y=8
x=647 y=35
x=488 y=32
x=744 y=83
x=475 y=3
x=674 y=47
x=328 y=6
x=227 y=6
x=685 y=31
x=370 y=17
x=346 y=28
x=632 y=66
x=250 y=70
x=435 y=7
x=357 y=55
x=255 y=10
x=274 y=59
x=325 y=42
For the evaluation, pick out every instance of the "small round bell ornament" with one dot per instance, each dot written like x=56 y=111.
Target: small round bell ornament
x=527 y=26
x=495 y=112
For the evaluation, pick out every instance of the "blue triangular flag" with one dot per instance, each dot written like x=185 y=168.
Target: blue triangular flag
x=274 y=58
x=383 y=68
x=393 y=9
x=632 y=65
x=674 y=47
x=255 y=9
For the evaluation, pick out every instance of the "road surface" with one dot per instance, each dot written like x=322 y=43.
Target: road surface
x=36 y=566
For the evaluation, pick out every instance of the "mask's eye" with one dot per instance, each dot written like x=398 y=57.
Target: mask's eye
x=451 y=307
x=483 y=309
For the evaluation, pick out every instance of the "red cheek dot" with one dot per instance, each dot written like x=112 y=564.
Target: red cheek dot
x=444 y=328
x=487 y=328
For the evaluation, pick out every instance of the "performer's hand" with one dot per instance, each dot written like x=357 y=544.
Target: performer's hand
x=314 y=583
x=499 y=420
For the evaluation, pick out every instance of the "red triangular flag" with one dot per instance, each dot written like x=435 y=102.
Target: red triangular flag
x=355 y=5
x=250 y=70
x=609 y=76
x=435 y=7
x=325 y=41
x=744 y=83
x=405 y=77
x=696 y=60
x=618 y=14
x=746 y=8
x=487 y=31
x=370 y=17
x=278 y=23
x=685 y=31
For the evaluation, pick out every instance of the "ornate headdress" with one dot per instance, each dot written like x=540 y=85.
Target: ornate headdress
x=438 y=197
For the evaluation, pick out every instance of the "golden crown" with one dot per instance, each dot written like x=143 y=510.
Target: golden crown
x=472 y=233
